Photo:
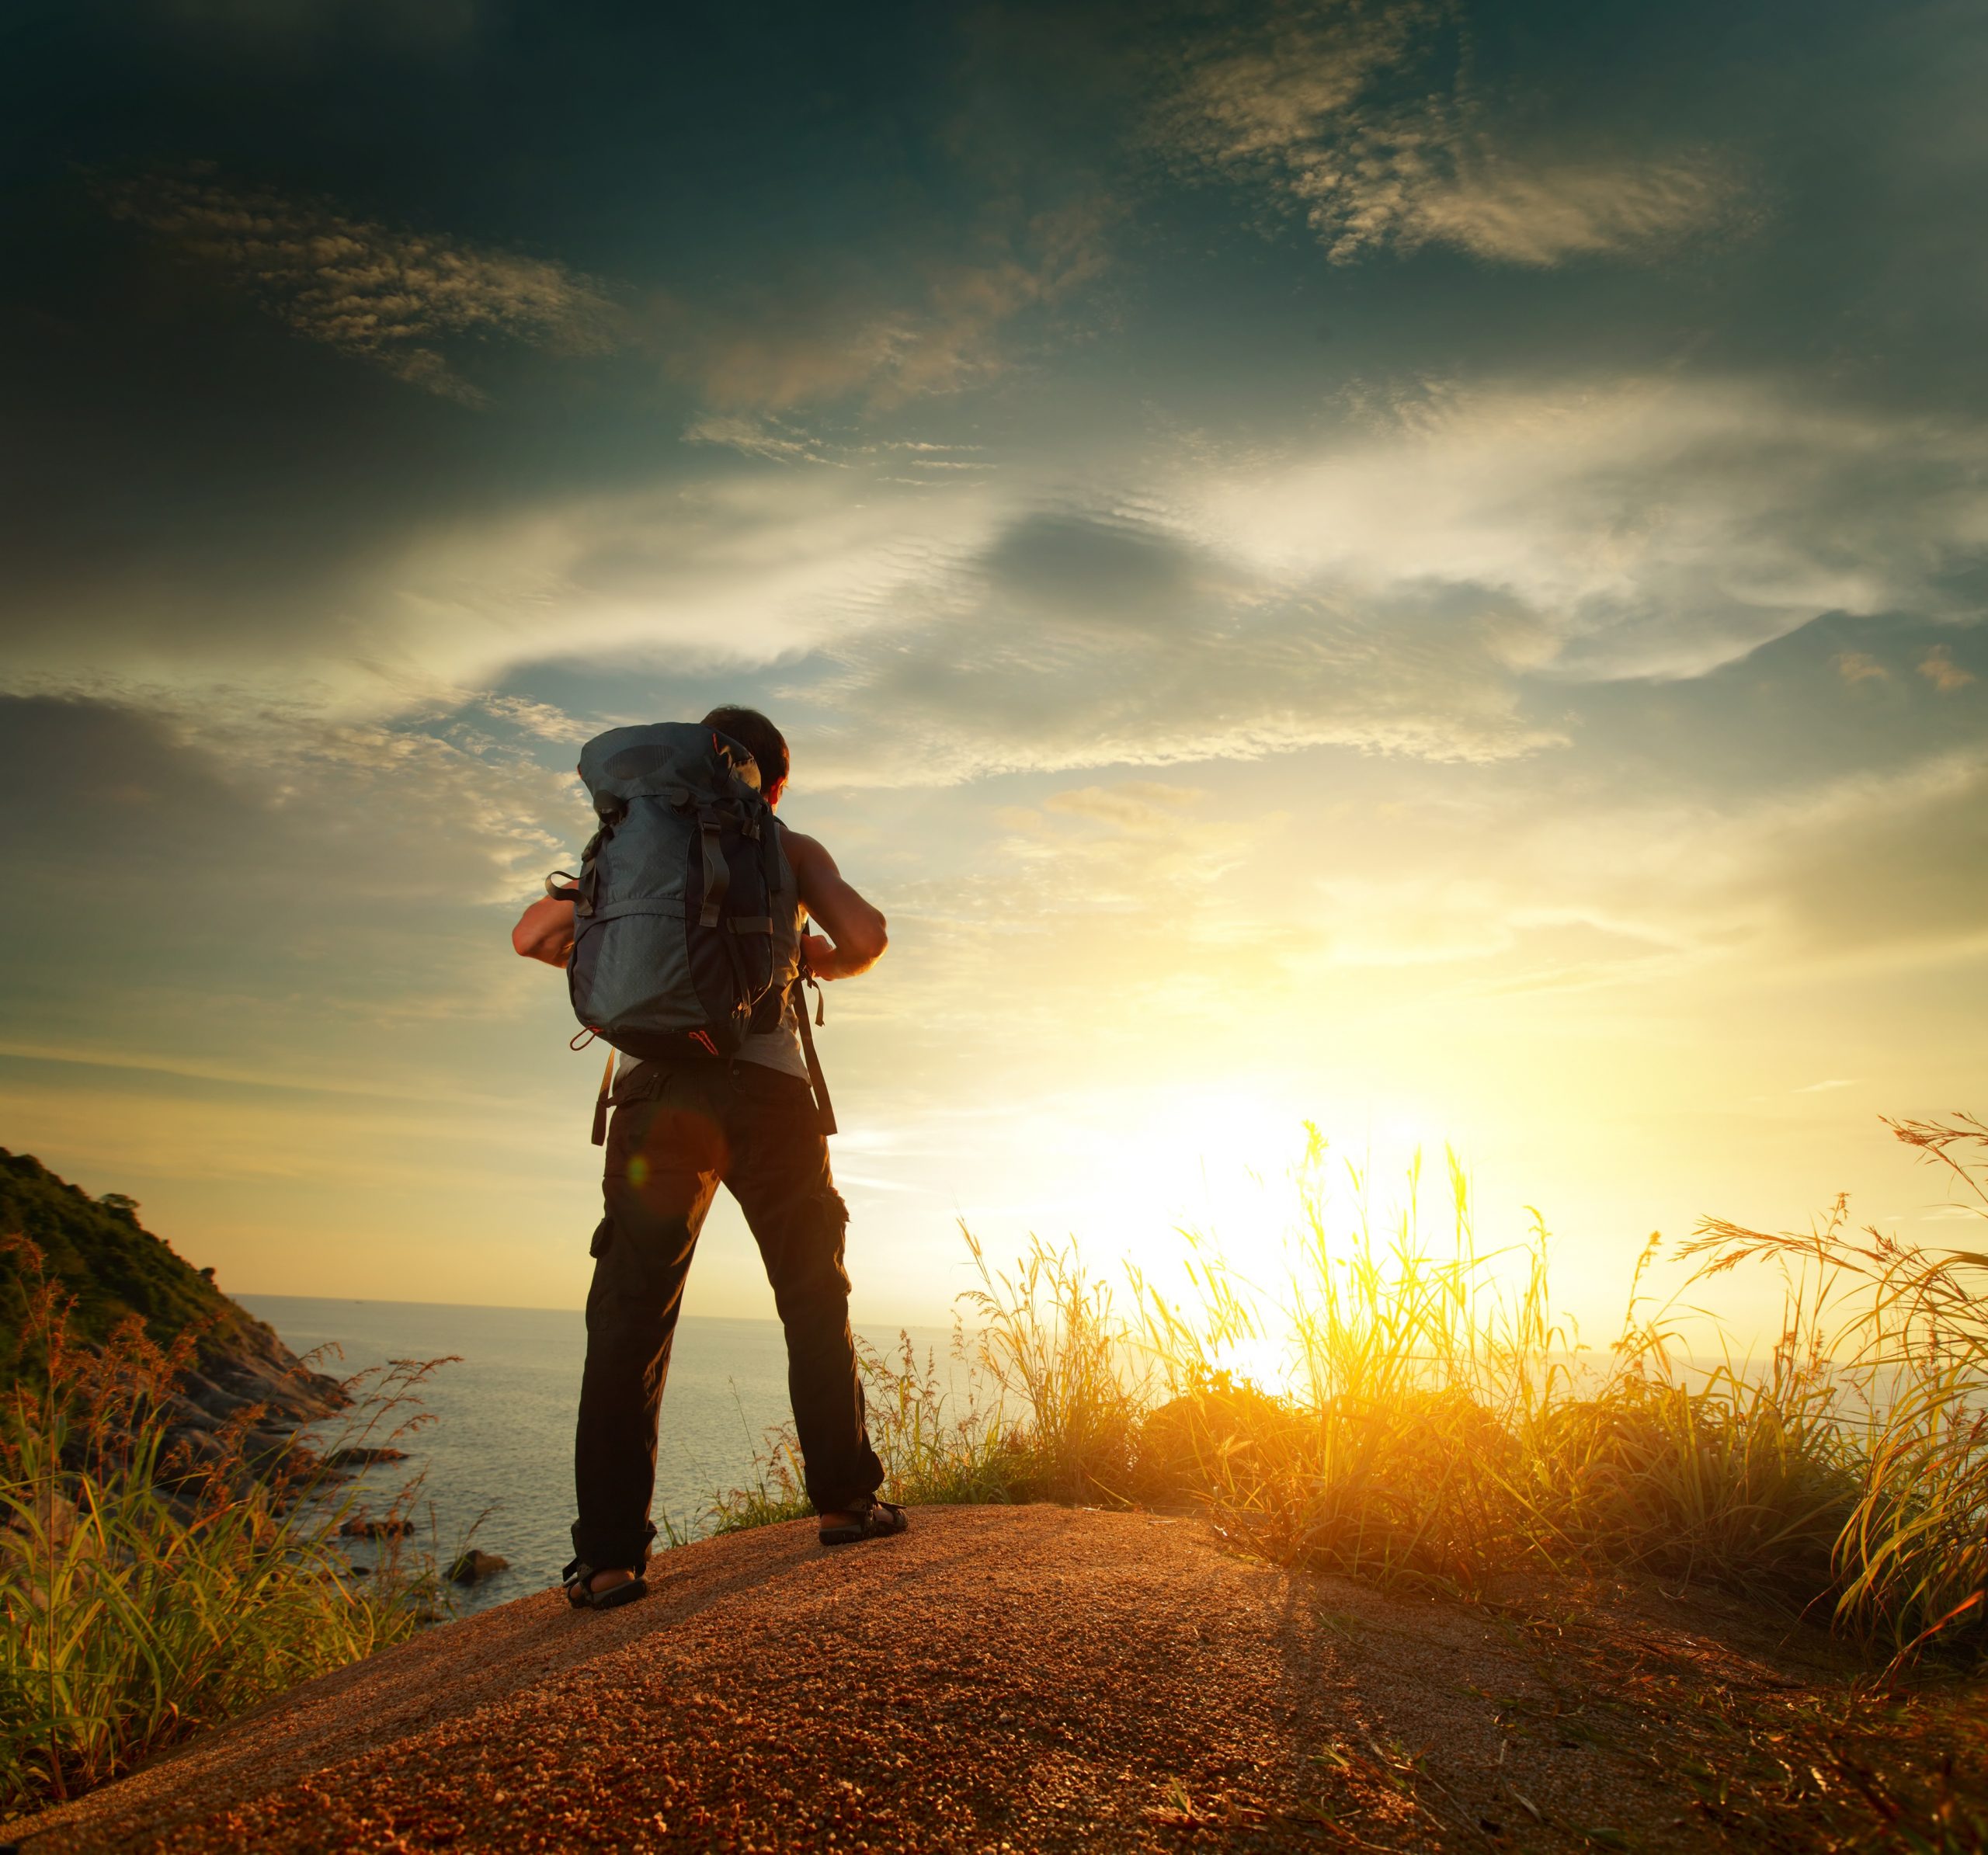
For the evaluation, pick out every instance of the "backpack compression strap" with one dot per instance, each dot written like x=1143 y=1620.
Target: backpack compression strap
x=718 y=872
x=823 y=1106
x=601 y=1105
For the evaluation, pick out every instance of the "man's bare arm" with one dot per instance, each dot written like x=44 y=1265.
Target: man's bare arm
x=856 y=938
x=545 y=932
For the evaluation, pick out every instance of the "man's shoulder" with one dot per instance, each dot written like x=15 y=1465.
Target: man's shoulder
x=799 y=846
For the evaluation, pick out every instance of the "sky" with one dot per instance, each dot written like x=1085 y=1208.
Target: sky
x=1413 y=566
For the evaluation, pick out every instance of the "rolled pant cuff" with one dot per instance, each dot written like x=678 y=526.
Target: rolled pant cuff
x=625 y=1552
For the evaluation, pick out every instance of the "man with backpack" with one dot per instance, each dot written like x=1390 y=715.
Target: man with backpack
x=683 y=940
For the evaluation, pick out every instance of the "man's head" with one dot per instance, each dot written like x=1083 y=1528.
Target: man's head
x=760 y=738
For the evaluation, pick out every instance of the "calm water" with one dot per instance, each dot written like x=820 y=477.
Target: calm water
x=502 y=1435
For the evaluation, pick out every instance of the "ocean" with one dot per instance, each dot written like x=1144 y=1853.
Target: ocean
x=496 y=1456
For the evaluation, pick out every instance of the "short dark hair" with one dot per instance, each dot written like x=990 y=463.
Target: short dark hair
x=757 y=736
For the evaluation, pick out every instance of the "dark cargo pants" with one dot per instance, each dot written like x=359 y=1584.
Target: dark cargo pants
x=676 y=1134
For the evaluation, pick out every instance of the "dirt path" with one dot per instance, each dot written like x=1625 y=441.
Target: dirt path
x=1021 y=1678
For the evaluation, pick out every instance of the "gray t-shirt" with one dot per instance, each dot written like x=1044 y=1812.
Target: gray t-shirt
x=776 y=1049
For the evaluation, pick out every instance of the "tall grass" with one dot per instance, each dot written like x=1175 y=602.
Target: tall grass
x=1907 y=1331
x=146 y=1590
x=1434 y=1423
x=1046 y=1401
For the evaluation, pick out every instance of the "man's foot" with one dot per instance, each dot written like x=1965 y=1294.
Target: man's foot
x=878 y=1520
x=587 y=1590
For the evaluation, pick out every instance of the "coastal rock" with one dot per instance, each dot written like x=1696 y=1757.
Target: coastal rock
x=474 y=1565
x=376 y=1530
x=48 y=1513
x=362 y=1458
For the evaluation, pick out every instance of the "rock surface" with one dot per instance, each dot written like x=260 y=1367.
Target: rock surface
x=1019 y=1679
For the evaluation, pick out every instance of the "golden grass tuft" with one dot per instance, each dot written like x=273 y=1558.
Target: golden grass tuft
x=1440 y=1427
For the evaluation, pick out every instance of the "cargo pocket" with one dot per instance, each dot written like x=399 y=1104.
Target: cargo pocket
x=829 y=1208
x=603 y=1234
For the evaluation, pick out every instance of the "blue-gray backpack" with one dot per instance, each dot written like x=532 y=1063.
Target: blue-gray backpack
x=685 y=915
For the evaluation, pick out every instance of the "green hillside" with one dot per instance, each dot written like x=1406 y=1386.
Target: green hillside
x=114 y=1267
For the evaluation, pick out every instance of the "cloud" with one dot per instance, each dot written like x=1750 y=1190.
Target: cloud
x=386 y=295
x=1430 y=575
x=1538 y=210
x=1133 y=889
x=1110 y=639
x=1866 y=864
x=1075 y=639
x=1392 y=889
x=1342 y=114
x=1533 y=882
x=1858 y=666
x=1890 y=865
x=1656 y=527
x=889 y=344
x=237 y=876
x=1938 y=668
x=776 y=438
x=405 y=301
x=539 y=719
x=1139 y=807
x=1430 y=572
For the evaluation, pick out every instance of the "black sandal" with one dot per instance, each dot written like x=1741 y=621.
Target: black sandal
x=878 y=1520
x=581 y=1596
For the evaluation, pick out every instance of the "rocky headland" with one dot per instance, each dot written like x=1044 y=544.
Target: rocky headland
x=113 y=1269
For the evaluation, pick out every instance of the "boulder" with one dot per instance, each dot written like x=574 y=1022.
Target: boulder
x=376 y=1530
x=476 y=1565
x=50 y=1513
x=362 y=1458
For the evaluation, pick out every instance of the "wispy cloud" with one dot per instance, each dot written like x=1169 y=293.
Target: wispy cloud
x=1860 y=866
x=349 y=843
x=1519 y=209
x=1128 y=877
x=776 y=438
x=404 y=300
x=1356 y=118
x=1658 y=527
x=539 y=719
x=384 y=294
x=1859 y=666
x=1938 y=668
x=1144 y=807
x=954 y=331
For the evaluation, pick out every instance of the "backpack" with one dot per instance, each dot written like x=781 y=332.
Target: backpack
x=684 y=922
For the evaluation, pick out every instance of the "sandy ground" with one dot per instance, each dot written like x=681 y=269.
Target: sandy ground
x=997 y=1678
